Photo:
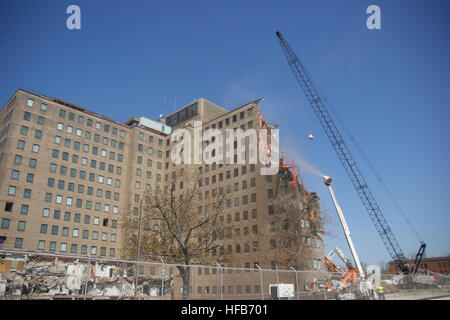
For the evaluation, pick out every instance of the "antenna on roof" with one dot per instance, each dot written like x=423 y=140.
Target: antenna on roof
x=164 y=103
x=174 y=104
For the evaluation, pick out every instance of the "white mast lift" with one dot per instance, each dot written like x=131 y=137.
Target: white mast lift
x=327 y=180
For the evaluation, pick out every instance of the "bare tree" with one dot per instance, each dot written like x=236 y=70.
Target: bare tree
x=179 y=225
x=297 y=228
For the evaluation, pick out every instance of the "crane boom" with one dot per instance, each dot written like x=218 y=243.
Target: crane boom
x=345 y=156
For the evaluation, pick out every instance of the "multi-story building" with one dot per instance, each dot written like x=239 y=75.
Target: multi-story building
x=68 y=174
x=439 y=265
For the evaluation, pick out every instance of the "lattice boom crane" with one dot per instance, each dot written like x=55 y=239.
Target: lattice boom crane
x=348 y=162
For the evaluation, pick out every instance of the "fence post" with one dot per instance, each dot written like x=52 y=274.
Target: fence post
x=162 y=276
x=88 y=274
x=261 y=281
x=138 y=250
x=220 y=270
x=278 y=285
x=296 y=282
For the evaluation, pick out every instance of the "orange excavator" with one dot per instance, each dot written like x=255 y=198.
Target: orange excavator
x=349 y=275
x=294 y=175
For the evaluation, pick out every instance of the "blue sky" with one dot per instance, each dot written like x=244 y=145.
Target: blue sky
x=390 y=86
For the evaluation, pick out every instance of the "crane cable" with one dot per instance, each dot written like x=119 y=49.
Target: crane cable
x=306 y=121
x=380 y=180
x=369 y=163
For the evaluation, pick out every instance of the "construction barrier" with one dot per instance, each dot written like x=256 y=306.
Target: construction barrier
x=37 y=275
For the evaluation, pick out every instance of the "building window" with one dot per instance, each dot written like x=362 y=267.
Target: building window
x=273 y=244
x=46 y=212
x=56 y=214
x=18 y=159
x=18 y=243
x=20 y=144
x=52 y=246
x=54 y=230
x=15 y=174
x=8 y=206
x=67 y=216
x=48 y=197
x=41 y=245
x=24 y=209
x=52 y=168
x=59 y=199
x=12 y=190
x=43 y=228
x=5 y=223
x=32 y=163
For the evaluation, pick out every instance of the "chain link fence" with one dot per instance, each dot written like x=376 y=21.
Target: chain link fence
x=37 y=275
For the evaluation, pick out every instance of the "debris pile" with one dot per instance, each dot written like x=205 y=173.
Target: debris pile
x=37 y=275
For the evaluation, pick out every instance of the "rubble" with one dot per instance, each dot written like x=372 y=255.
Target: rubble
x=34 y=276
